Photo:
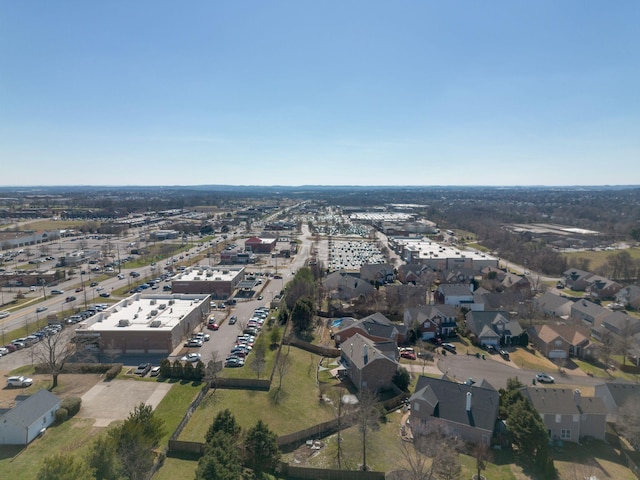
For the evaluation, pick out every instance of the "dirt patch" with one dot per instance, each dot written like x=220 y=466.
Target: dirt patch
x=69 y=385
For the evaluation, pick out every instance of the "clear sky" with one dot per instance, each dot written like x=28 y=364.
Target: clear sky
x=326 y=92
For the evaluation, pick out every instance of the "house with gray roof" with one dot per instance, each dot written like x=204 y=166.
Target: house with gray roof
x=344 y=286
x=454 y=294
x=576 y=279
x=376 y=327
x=378 y=273
x=24 y=422
x=553 y=305
x=629 y=297
x=621 y=324
x=602 y=288
x=433 y=320
x=466 y=411
x=615 y=394
x=367 y=366
x=590 y=313
x=567 y=414
x=493 y=327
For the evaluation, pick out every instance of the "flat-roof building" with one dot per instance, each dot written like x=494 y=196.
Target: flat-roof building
x=145 y=323
x=219 y=283
x=438 y=256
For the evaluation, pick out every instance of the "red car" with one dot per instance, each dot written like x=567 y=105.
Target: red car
x=408 y=355
x=213 y=326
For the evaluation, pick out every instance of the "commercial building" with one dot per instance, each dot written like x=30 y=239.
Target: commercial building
x=144 y=323
x=219 y=283
x=438 y=256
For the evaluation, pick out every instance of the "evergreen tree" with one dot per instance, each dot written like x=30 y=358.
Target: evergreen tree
x=261 y=449
x=64 y=466
x=224 y=422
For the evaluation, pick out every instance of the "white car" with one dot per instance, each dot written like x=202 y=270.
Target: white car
x=544 y=378
x=20 y=381
x=4 y=314
x=191 y=357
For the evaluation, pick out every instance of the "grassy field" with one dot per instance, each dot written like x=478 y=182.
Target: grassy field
x=298 y=405
x=599 y=258
x=50 y=225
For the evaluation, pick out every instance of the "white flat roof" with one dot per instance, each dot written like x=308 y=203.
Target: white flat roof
x=156 y=312
x=430 y=249
x=211 y=274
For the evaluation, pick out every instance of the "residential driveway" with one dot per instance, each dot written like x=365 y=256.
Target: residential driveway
x=114 y=400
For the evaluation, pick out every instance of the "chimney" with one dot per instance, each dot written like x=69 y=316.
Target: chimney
x=365 y=352
x=468 y=407
x=577 y=396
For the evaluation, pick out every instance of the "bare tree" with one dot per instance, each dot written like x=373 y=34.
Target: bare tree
x=482 y=455
x=367 y=417
x=628 y=422
x=54 y=351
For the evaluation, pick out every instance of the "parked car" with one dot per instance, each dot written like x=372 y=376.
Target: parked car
x=233 y=361
x=544 y=378
x=191 y=357
x=504 y=354
x=19 y=381
x=409 y=355
x=193 y=343
x=450 y=347
x=142 y=369
x=213 y=326
x=155 y=371
x=233 y=319
x=203 y=336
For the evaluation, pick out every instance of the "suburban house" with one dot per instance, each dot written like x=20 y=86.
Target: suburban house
x=562 y=341
x=467 y=411
x=492 y=327
x=601 y=288
x=507 y=300
x=366 y=365
x=459 y=275
x=454 y=294
x=377 y=273
x=567 y=414
x=493 y=273
x=615 y=394
x=553 y=305
x=617 y=323
x=344 y=286
x=415 y=273
x=629 y=297
x=590 y=313
x=577 y=280
x=513 y=282
x=25 y=421
x=433 y=320
x=375 y=327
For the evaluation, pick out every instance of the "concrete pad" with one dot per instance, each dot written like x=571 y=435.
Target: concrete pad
x=111 y=401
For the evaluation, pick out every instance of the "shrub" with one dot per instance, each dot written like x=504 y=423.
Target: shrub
x=71 y=405
x=114 y=371
x=61 y=415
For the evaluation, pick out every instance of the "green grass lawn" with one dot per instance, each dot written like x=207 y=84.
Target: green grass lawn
x=297 y=407
x=599 y=258
x=74 y=435
x=174 y=405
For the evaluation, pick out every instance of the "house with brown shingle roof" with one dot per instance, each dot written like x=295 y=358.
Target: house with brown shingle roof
x=562 y=341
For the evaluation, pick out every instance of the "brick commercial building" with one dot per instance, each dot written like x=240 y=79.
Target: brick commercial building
x=144 y=323
x=219 y=283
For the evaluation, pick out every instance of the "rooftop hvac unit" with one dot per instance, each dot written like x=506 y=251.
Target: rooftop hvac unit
x=172 y=301
x=154 y=313
x=162 y=306
x=209 y=274
x=196 y=278
x=200 y=272
x=123 y=323
x=152 y=302
x=155 y=324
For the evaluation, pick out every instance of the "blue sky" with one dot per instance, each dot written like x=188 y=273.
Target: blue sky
x=419 y=92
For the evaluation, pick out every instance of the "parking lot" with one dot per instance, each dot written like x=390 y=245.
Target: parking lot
x=114 y=400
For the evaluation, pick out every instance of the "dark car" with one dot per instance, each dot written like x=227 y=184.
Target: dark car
x=70 y=299
x=105 y=294
x=143 y=369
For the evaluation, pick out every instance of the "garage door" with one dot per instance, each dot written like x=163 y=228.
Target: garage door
x=557 y=354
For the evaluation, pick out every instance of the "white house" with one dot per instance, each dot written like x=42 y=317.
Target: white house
x=25 y=421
